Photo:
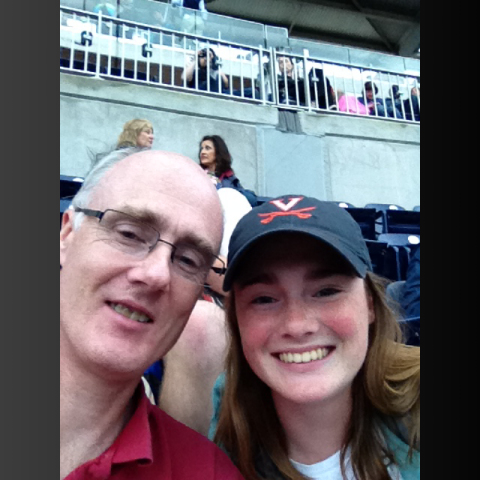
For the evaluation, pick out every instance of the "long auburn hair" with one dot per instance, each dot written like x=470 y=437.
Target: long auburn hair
x=223 y=159
x=386 y=392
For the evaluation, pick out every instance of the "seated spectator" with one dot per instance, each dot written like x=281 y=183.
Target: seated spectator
x=350 y=104
x=291 y=88
x=136 y=133
x=135 y=250
x=192 y=23
x=394 y=103
x=317 y=383
x=412 y=106
x=410 y=301
x=216 y=160
x=371 y=100
x=204 y=73
x=322 y=94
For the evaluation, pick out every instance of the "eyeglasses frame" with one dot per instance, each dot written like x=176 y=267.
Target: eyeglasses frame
x=99 y=215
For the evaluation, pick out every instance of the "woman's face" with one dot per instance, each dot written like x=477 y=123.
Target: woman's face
x=145 y=138
x=208 y=155
x=303 y=319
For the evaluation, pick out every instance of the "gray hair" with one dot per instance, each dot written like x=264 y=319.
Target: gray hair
x=101 y=166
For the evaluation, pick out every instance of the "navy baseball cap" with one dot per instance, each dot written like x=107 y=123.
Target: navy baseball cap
x=325 y=221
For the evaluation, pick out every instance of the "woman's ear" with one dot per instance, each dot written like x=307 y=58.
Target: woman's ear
x=371 y=308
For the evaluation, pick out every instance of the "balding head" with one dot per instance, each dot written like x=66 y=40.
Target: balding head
x=138 y=176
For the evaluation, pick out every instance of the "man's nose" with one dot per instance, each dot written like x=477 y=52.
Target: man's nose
x=155 y=270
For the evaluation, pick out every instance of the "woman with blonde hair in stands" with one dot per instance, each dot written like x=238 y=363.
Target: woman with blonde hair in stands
x=136 y=133
x=318 y=383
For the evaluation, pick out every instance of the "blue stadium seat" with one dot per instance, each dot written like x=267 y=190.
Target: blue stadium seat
x=377 y=251
x=397 y=256
x=416 y=208
x=366 y=218
x=382 y=208
x=402 y=221
x=344 y=204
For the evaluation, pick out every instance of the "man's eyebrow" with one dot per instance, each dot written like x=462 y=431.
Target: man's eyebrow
x=145 y=216
x=156 y=221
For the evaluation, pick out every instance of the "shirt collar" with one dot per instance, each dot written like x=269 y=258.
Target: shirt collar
x=227 y=174
x=134 y=444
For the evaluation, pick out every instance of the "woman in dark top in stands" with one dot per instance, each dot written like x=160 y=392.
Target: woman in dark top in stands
x=216 y=160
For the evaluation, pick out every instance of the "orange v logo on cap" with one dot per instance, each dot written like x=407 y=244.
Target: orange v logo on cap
x=286 y=210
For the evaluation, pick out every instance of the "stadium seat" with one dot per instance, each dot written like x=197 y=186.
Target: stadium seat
x=377 y=251
x=397 y=256
x=344 y=204
x=402 y=221
x=366 y=218
x=382 y=208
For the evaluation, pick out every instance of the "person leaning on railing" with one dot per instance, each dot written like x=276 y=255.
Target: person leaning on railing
x=291 y=88
x=205 y=77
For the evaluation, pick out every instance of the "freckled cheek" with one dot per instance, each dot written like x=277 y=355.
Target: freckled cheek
x=254 y=334
x=347 y=322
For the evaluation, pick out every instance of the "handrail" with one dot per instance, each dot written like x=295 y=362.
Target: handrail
x=104 y=46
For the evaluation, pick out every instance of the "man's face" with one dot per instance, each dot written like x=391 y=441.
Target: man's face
x=106 y=295
x=369 y=93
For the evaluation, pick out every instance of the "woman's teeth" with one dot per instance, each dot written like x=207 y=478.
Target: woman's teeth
x=131 y=314
x=305 y=357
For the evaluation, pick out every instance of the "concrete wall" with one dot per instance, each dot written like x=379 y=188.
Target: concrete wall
x=357 y=160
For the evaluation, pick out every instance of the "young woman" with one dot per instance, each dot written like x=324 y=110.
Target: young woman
x=136 y=133
x=216 y=160
x=318 y=384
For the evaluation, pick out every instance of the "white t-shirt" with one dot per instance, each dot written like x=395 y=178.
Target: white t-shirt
x=235 y=206
x=330 y=469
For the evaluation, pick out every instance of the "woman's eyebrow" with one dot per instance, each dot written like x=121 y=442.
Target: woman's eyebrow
x=261 y=278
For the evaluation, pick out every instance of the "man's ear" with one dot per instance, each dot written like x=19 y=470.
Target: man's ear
x=66 y=233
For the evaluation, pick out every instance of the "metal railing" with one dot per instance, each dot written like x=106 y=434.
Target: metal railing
x=344 y=89
x=103 y=46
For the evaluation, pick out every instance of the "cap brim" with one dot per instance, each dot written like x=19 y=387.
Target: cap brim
x=333 y=241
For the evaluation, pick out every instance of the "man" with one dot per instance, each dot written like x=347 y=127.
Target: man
x=370 y=99
x=291 y=89
x=135 y=250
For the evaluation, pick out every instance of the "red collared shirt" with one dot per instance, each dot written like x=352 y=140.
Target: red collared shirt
x=154 y=446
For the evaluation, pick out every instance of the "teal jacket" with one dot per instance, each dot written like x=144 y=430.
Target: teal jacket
x=410 y=470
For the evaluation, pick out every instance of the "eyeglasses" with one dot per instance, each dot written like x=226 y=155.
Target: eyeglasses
x=136 y=238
